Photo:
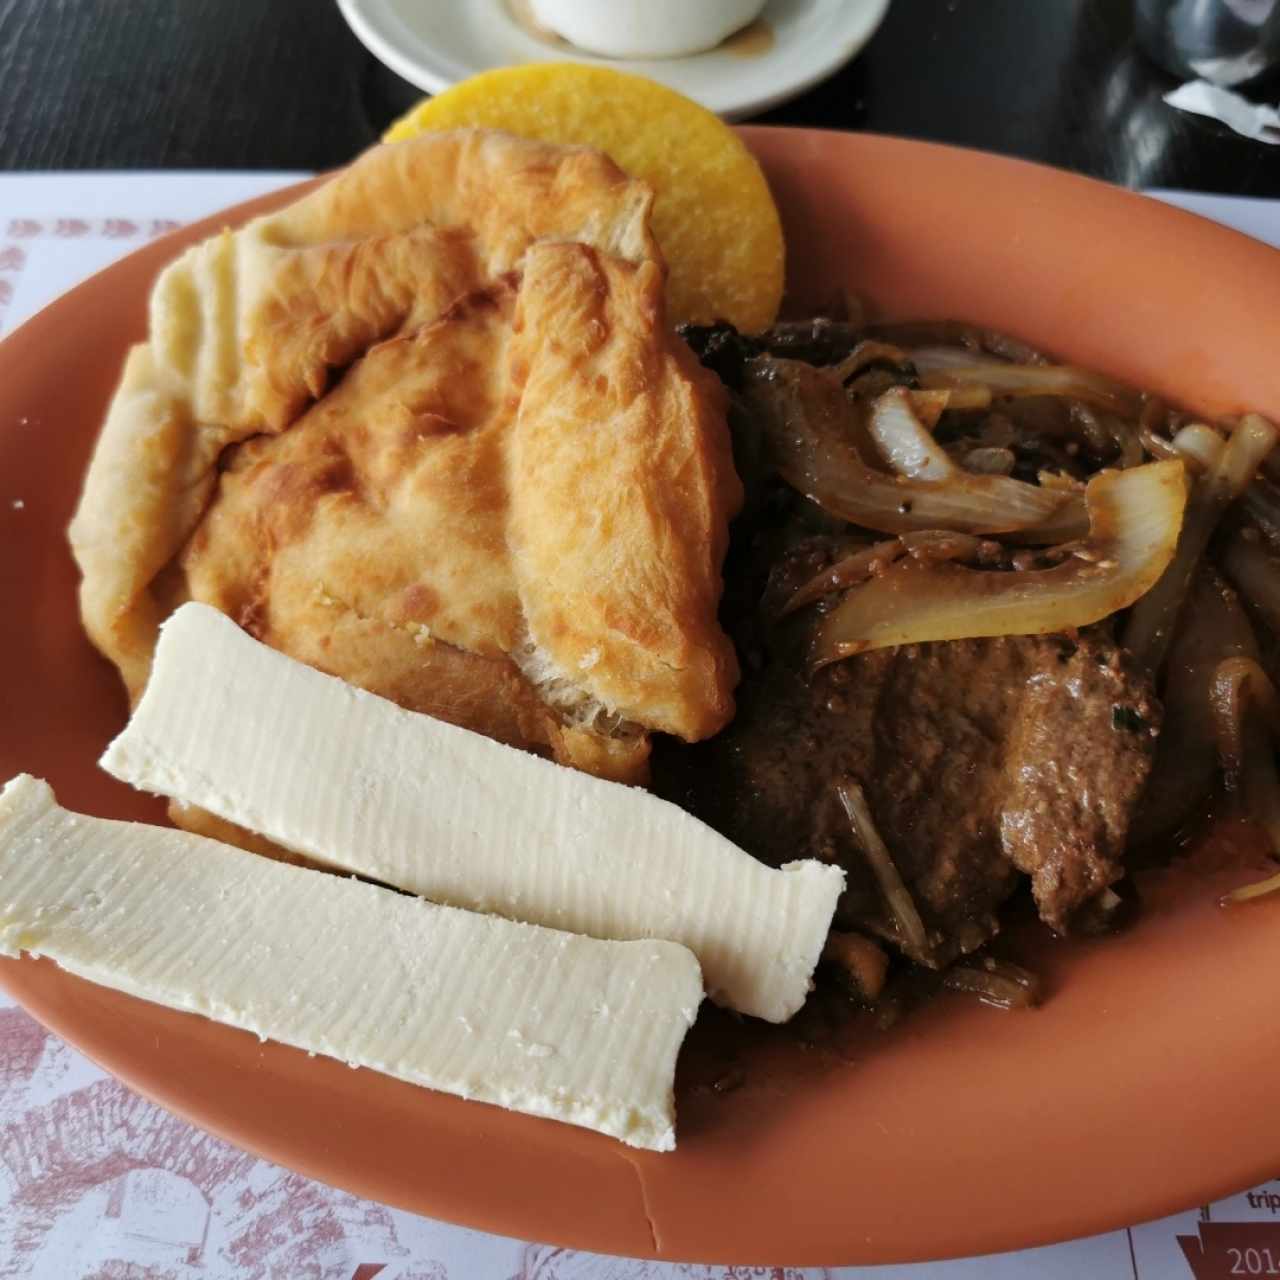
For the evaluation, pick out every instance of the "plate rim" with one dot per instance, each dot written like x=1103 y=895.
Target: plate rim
x=865 y=18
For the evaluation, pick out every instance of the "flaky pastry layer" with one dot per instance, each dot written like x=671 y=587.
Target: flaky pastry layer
x=427 y=429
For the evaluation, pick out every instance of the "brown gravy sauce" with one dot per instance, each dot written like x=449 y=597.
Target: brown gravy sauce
x=743 y=1067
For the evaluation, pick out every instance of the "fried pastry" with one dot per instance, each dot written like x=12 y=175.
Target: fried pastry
x=428 y=430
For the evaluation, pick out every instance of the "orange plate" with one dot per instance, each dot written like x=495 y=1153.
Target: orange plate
x=1145 y=1085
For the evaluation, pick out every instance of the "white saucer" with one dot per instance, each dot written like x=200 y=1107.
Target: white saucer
x=434 y=43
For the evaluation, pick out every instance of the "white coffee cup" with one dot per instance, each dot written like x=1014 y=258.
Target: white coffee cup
x=645 y=28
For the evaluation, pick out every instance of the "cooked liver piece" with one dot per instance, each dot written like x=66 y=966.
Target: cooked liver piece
x=980 y=760
x=983 y=761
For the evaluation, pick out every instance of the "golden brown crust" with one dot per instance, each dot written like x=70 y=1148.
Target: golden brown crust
x=421 y=528
x=385 y=500
x=617 y=759
x=508 y=192
x=619 y=521
x=245 y=327
x=151 y=477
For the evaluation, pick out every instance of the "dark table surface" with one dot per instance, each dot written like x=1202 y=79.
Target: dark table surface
x=284 y=84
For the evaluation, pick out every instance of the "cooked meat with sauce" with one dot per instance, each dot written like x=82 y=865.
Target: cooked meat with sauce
x=954 y=590
x=982 y=761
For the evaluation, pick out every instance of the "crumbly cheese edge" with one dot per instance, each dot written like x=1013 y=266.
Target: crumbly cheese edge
x=772 y=986
x=648 y=1127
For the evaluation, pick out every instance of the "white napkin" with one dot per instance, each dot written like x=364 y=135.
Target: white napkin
x=1254 y=120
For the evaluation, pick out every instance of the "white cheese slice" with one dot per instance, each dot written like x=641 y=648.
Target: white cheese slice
x=543 y=1022
x=353 y=781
